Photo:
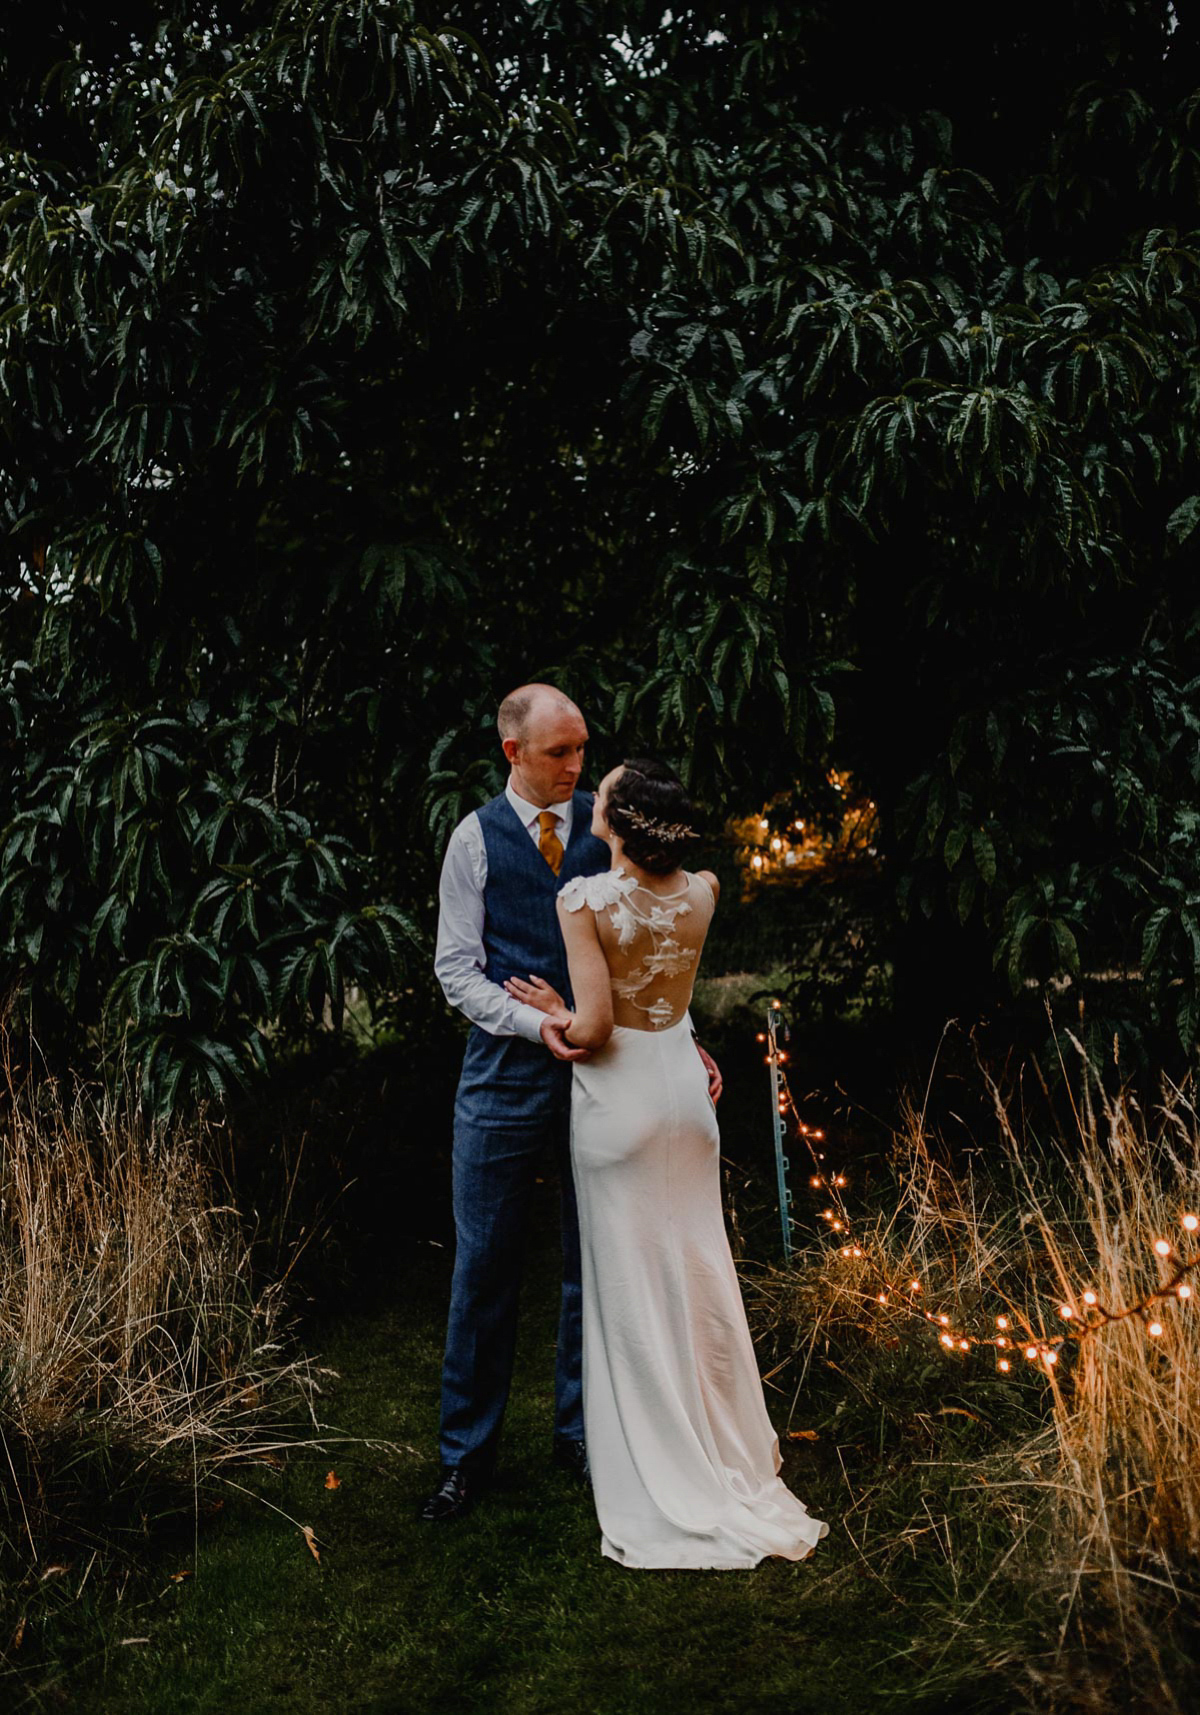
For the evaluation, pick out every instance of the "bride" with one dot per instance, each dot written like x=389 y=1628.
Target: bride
x=684 y=1461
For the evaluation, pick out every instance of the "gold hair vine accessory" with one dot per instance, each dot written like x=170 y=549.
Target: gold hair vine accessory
x=658 y=830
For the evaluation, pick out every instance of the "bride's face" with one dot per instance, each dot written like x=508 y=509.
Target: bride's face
x=600 y=825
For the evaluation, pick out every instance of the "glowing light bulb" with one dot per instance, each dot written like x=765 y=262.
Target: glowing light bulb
x=963 y=1346
x=914 y=1286
x=947 y=1340
x=815 y=1180
x=1002 y=1321
x=1001 y=1340
x=1184 y=1291
x=944 y=1320
x=1089 y=1297
x=1191 y=1222
x=761 y=1037
x=777 y=844
x=757 y=861
x=837 y=1226
x=764 y=824
x=856 y=1251
x=839 y=1179
x=1004 y=1364
x=1031 y=1353
x=1155 y=1329
x=1162 y=1247
x=819 y=1134
x=845 y=1251
x=1065 y=1312
x=1051 y=1357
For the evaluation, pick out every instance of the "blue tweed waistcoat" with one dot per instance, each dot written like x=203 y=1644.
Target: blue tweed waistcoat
x=507 y=1080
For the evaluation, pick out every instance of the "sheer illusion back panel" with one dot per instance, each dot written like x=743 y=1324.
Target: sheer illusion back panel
x=652 y=942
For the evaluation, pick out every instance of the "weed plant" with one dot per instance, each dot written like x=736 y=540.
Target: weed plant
x=1044 y=1514
x=138 y=1357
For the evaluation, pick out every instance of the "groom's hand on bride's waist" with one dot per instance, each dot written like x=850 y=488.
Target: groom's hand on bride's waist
x=715 y=1083
x=554 y=1028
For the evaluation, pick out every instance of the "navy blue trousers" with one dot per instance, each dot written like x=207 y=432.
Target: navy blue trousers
x=495 y=1170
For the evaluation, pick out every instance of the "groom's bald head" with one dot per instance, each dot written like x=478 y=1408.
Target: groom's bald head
x=544 y=737
x=530 y=703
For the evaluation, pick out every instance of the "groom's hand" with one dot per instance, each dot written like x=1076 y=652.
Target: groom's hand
x=715 y=1083
x=554 y=1029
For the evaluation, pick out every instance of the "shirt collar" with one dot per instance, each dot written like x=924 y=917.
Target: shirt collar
x=529 y=813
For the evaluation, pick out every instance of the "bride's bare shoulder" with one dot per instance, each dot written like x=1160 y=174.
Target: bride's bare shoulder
x=714 y=885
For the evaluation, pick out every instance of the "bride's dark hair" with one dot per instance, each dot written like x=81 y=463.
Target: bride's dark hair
x=649 y=808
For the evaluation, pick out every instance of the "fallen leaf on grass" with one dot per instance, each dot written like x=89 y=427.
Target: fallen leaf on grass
x=19 y=1634
x=271 y=1459
x=333 y=1481
x=50 y=1571
x=959 y=1411
x=803 y=1435
x=310 y=1537
x=133 y=1640
x=178 y=1577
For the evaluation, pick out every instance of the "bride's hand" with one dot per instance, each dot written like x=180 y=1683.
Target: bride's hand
x=537 y=993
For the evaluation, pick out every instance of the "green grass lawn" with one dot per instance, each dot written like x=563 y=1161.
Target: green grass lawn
x=512 y=1609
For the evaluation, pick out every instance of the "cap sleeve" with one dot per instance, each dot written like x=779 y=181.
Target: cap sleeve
x=574 y=895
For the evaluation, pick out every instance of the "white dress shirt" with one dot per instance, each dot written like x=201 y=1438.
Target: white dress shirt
x=460 y=958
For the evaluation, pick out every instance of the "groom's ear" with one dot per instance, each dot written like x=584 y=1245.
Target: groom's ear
x=511 y=747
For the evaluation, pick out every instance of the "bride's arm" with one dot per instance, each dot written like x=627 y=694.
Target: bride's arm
x=590 y=983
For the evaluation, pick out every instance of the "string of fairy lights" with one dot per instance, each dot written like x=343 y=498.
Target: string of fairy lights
x=1082 y=1319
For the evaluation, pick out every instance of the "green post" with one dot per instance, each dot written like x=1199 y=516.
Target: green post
x=774 y=1019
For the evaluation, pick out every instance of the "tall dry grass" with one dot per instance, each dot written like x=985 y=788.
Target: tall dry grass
x=1090 y=1465
x=138 y=1357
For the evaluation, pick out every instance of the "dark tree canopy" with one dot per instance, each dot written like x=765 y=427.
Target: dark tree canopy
x=781 y=401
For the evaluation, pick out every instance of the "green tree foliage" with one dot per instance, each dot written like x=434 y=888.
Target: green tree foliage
x=359 y=360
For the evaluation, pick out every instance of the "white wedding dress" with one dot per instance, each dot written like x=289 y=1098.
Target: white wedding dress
x=684 y=1461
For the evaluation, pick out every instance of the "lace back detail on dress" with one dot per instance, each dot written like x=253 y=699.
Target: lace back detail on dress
x=623 y=899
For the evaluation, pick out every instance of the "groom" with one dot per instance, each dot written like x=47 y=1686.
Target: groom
x=502 y=873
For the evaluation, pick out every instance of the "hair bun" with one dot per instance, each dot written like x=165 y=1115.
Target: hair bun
x=650 y=810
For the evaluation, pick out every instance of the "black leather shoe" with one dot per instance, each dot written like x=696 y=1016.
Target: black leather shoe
x=572 y=1456
x=453 y=1498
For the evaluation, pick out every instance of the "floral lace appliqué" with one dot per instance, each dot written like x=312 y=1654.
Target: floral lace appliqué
x=614 y=893
x=597 y=891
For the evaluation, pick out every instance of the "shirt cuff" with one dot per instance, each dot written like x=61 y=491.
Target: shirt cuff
x=527 y=1022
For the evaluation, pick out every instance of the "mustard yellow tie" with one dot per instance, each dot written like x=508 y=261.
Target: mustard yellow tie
x=549 y=843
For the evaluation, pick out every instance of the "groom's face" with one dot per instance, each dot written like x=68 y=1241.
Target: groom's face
x=548 y=760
